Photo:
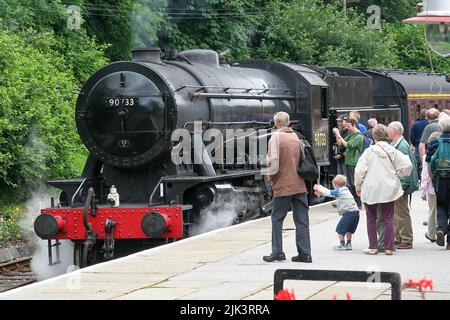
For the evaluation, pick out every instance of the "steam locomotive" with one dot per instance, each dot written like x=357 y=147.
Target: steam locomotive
x=132 y=194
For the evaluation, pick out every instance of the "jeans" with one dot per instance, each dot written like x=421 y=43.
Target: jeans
x=300 y=212
x=351 y=184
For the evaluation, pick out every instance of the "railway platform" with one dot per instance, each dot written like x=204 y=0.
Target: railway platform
x=227 y=264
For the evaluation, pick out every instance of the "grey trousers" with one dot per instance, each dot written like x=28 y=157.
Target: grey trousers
x=300 y=212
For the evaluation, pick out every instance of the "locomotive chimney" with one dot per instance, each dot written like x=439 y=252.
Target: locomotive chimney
x=152 y=55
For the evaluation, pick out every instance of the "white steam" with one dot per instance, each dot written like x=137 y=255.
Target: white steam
x=40 y=263
x=223 y=213
x=146 y=18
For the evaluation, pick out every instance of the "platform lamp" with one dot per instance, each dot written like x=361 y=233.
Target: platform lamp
x=435 y=15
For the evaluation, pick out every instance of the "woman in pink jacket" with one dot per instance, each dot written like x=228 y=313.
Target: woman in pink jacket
x=428 y=194
x=377 y=180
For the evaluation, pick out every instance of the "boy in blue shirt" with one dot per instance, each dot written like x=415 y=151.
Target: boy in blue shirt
x=347 y=208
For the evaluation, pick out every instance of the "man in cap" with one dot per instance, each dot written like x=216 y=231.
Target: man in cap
x=340 y=150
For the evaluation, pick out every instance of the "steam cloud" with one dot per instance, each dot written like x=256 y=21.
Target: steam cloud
x=39 y=263
x=145 y=19
x=221 y=214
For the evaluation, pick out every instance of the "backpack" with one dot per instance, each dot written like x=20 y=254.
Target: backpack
x=440 y=161
x=367 y=143
x=307 y=168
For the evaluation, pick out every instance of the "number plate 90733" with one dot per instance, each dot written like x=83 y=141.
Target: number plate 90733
x=121 y=102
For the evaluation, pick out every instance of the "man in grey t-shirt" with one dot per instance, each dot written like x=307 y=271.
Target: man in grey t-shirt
x=432 y=116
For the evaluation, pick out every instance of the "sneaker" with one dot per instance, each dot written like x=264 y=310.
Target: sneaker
x=274 y=257
x=302 y=258
x=370 y=251
x=404 y=245
x=340 y=247
x=348 y=246
x=440 y=238
x=428 y=237
x=388 y=252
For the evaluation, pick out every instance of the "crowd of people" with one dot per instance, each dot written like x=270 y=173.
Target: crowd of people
x=378 y=169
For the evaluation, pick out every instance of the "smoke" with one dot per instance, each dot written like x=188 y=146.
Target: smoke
x=39 y=263
x=222 y=213
x=146 y=18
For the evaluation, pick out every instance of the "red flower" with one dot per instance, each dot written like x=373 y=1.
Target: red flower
x=420 y=285
x=347 y=297
x=285 y=294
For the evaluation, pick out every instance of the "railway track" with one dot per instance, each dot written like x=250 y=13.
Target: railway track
x=16 y=273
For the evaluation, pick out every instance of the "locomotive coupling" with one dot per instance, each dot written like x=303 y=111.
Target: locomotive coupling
x=113 y=197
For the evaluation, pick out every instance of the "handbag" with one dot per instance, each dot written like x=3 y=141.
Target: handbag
x=307 y=168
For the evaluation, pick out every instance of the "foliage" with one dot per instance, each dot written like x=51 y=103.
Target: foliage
x=391 y=11
x=81 y=53
x=307 y=32
x=37 y=134
x=124 y=24
x=229 y=27
x=412 y=51
x=9 y=227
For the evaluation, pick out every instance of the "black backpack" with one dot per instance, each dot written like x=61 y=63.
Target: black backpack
x=307 y=168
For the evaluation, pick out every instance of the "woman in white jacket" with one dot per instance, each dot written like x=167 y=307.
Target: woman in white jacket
x=377 y=180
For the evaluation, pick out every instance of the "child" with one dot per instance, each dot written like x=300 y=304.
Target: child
x=347 y=207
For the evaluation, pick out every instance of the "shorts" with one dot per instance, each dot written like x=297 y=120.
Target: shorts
x=348 y=223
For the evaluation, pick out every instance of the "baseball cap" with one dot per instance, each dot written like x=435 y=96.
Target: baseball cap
x=343 y=117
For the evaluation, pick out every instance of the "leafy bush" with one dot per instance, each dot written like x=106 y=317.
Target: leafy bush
x=37 y=97
x=10 y=215
x=304 y=31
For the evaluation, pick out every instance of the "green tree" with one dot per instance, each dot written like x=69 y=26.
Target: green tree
x=412 y=51
x=225 y=26
x=37 y=134
x=124 y=24
x=391 y=11
x=307 y=32
x=82 y=54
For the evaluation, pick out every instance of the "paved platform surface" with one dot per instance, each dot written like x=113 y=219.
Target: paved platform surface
x=227 y=264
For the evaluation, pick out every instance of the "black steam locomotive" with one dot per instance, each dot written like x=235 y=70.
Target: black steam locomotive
x=132 y=194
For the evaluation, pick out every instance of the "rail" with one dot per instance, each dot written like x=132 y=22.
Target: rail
x=16 y=273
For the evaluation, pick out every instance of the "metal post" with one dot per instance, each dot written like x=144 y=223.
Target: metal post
x=57 y=244
x=50 y=258
x=337 y=275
